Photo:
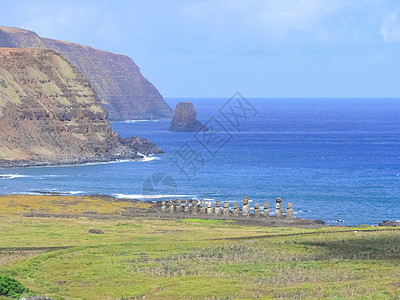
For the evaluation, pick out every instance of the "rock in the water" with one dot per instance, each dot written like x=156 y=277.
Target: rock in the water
x=142 y=146
x=96 y=231
x=185 y=119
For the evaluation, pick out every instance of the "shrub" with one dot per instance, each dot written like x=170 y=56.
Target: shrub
x=11 y=287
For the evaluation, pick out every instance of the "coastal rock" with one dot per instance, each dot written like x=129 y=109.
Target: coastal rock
x=142 y=146
x=185 y=119
x=49 y=114
x=390 y=223
x=120 y=86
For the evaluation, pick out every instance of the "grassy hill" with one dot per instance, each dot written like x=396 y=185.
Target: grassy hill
x=187 y=259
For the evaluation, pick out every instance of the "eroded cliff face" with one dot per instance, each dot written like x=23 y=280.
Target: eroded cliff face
x=19 y=38
x=118 y=82
x=49 y=113
x=185 y=119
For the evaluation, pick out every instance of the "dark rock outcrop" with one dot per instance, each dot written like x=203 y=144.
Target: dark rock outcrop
x=142 y=146
x=37 y=298
x=121 y=88
x=96 y=231
x=49 y=114
x=388 y=223
x=185 y=119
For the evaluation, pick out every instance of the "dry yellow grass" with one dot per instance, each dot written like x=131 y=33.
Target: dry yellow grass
x=72 y=205
x=188 y=259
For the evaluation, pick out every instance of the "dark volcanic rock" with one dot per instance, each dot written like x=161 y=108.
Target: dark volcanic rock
x=120 y=86
x=96 y=231
x=49 y=114
x=37 y=298
x=142 y=146
x=390 y=223
x=185 y=119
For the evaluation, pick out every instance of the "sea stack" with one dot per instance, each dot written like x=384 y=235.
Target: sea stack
x=185 y=119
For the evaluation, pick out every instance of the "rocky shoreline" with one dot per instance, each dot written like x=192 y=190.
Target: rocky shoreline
x=4 y=164
x=156 y=211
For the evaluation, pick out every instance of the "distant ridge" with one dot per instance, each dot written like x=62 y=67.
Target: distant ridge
x=49 y=114
x=121 y=88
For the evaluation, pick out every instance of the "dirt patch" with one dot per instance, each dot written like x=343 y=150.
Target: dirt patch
x=167 y=231
x=294 y=234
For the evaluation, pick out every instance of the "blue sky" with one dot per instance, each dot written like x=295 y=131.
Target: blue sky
x=262 y=48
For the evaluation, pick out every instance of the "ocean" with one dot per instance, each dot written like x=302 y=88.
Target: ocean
x=336 y=159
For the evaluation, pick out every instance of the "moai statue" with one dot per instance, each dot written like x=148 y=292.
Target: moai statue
x=266 y=209
x=179 y=206
x=289 y=211
x=257 y=210
x=171 y=207
x=246 y=207
x=194 y=207
x=209 y=208
x=202 y=207
x=218 y=209
x=187 y=207
x=163 y=207
x=236 y=210
x=227 y=210
x=278 y=208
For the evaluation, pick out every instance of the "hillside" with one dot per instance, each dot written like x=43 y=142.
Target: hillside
x=118 y=82
x=57 y=255
x=49 y=114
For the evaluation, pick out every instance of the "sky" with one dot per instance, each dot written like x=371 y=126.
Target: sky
x=213 y=48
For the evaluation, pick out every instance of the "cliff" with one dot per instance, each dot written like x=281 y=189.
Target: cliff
x=117 y=81
x=185 y=119
x=49 y=114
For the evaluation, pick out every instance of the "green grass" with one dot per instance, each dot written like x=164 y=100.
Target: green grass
x=190 y=259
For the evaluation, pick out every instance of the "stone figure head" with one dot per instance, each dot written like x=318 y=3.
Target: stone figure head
x=226 y=204
x=256 y=205
x=246 y=200
x=266 y=205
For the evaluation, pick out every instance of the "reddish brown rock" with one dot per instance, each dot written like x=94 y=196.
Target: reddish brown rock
x=120 y=86
x=49 y=114
x=185 y=119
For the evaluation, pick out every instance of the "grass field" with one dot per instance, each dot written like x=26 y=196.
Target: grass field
x=189 y=259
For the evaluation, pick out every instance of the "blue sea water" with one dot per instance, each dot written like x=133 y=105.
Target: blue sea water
x=335 y=159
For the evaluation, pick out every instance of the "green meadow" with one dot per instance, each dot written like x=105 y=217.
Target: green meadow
x=193 y=259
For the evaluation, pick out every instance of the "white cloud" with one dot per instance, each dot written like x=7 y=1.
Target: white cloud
x=390 y=29
x=271 y=19
x=53 y=21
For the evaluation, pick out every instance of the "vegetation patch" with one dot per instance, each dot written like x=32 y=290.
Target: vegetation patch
x=11 y=287
x=189 y=259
